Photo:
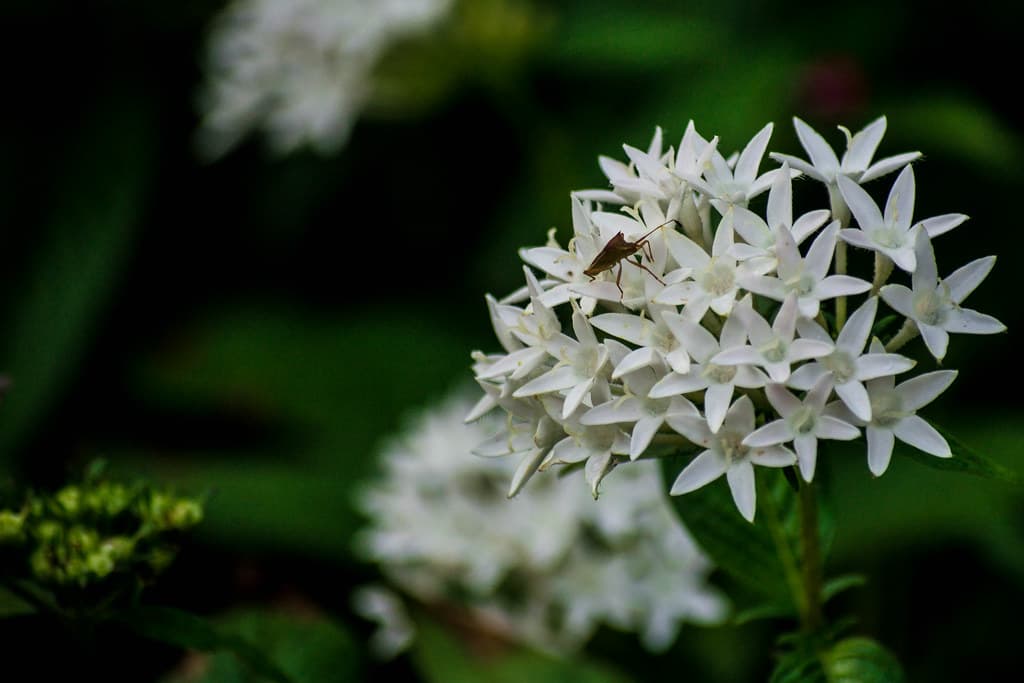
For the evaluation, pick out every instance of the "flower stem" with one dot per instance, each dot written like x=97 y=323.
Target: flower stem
x=811 y=617
x=906 y=333
x=840 y=300
x=784 y=549
x=883 y=269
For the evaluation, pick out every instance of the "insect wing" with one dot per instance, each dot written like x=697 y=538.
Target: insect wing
x=614 y=251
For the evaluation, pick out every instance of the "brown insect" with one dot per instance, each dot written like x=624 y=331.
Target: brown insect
x=618 y=249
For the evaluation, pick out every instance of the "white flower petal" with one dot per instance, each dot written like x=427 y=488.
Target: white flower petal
x=743 y=355
x=769 y=435
x=693 y=427
x=821 y=154
x=772 y=456
x=704 y=469
x=899 y=208
x=840 y=285
x=716 y=404
x=880 y=443
x=861 y=148
x=686 y=252
x=828 y=427
x=575 y=397
x=855 y=396
x=798 y=164
x=926 y=273
x=635 y=360
x=626 y=326
x=965 y=279
x=862 y=206
x=805 y=226
x=627 y=409
x=742 y=485
x=935 y=338
x=888 y=165
x=643 y=432
x=700 y=343
x=872 y=365
x=966 y=321
x=854 y=335
x=919 y=391
x=819 y=256
x=939 y=225
x=803 y=349
x=806 y=376
x=557 y=379
x=900 y=298
x=919 y=434
x=857 y=238
x=806 y=447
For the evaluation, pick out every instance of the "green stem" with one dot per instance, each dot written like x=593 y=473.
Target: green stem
x=883 y=269
x=840 y=300
x=811 y=617
x=906 y=333
x=783 y=549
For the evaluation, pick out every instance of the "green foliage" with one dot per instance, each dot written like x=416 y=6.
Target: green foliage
x=441 y=658
x=763 y=556
x=96 y=204
x=851 y=660
x=964 y=460
x=92 y=541
x=325 y=393
x=186 y=630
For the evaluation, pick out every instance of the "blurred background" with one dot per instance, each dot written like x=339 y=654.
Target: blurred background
x=254 y=323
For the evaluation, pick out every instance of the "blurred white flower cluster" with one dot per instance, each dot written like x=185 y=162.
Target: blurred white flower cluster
x=300 y=69
x=678 y=314
x=546 y=568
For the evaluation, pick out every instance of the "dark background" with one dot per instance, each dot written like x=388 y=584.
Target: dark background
x=255 y=326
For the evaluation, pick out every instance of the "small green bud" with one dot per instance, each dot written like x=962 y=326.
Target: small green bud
x=70 y=499
x=100 y=563
x=39 y=562
x=11 y=525
x=118 y=547
x=48 y=529
x=82 y=539
x=160 y=558
x=185 y=513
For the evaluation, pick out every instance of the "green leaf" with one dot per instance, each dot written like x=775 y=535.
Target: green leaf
x=440 y=658
x=964 y=460
x=13 y=606
x=861 y=660
x=840 y=584
x=852 y=660
x=177 y=627
x=79 y=255
x=612 y=38
x=306 y=648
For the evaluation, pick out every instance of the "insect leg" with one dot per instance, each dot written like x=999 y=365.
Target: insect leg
x=618 y=282
x=640 y=265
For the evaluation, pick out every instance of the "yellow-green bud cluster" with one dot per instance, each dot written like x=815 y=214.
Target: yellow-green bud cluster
x=89 y=532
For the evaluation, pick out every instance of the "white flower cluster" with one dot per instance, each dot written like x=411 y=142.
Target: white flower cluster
x=545 y=568
x=300 y=69
x=692 y=316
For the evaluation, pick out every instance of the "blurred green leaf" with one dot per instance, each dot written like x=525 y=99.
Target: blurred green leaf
x=440 y=658
x=964 y=460
x=97 y=201
x=306 y=649
x=620 y=38
x=176 y=627
x=840 y=584
x=13 y=606
x=330 y=392
x=746 y=551
x=852 y=660
x=958 y=125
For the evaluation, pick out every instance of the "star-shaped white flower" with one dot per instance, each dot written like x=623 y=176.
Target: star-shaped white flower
x=727 y=454
x=736 y=187
x=803 y=423
x=656 y=341
x=856 y=164
x=581 y=362
x=934 y=304
x=714 y=279
x=596 y=445
x=719 y=381
x=567 y=266
x=638 y=409
x=806 y=278
x=893 y=234
x=848 y=366
x=893 y=415
x=772 y=347
x=759 y=235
